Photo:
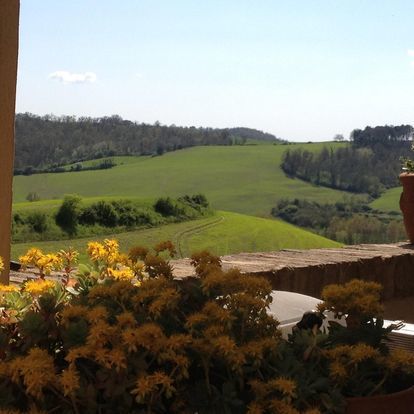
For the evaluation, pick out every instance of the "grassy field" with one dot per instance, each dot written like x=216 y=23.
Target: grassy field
x=389 y=201
x=223 y=233
x=245 y=179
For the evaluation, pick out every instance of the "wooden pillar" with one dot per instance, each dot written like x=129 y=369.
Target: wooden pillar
x=9 y=35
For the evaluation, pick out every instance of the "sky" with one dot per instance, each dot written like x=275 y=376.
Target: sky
x=301 y=70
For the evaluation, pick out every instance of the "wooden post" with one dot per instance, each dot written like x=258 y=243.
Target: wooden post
x=9 y=35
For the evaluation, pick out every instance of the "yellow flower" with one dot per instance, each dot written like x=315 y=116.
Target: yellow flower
x=95 y=251
x=48 y=262
x=30 y=257
x=8 y=288
x=44 y=262
x=285 y=385
x=121 y=274
x=255 y=408
x=70 y=380
x=126 y=319
x=400 y=359
x=73 y=312
x=337 y=370
x=361 y=352
x=37 y=370
x=106 y=252
x=38 y=287
x=97 y=314
x=159 y=381
x=116 y=359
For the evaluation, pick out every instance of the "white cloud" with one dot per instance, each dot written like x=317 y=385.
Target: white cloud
x=410 y=52
x=70 y=77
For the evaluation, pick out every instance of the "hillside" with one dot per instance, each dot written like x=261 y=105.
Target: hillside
x=224 y=233
x=50 y=141
x=389 y=200
x=244 y=179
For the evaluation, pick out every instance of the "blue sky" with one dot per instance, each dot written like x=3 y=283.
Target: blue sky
x=302 y=70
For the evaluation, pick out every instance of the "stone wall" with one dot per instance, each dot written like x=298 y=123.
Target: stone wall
x=308 y=271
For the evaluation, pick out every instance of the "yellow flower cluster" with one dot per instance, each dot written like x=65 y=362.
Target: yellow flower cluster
x=159 y=382
x=355 y=298
x=274 y=396
x=36 y=370
x=125 y=273
x=44 y=262
x=8 y=288
x=344 y=359
x=400 y=359
x=106 y=252
x=70 y=380
x=39 y=286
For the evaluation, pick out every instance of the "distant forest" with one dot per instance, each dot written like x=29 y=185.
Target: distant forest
x=45 y=141
x=370 y=164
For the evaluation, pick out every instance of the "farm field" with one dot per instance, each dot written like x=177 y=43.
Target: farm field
x=222 y=233
x=244 y=179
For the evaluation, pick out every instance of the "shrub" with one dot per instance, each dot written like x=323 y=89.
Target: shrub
x=123 y=336
x=106 y=215
x=68 y=214
x=38 y=222
x=165 y=206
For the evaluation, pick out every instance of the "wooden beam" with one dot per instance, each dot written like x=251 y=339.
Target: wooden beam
x=9 y=35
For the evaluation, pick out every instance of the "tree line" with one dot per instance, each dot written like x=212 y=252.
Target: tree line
x=369 y=165
x=52 y=141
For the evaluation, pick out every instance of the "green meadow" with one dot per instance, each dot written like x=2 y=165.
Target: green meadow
x=244 y=179
x=222 y=233
x=389 y=200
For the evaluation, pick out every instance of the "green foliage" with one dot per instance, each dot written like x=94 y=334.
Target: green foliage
x=370 y=165
x=166 y=207
x=67 y=216
x=38 y=221
x=349 y=222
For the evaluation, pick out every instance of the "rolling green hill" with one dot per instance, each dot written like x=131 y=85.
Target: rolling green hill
x=223 y=233
x=389 y=200
x=245 y=179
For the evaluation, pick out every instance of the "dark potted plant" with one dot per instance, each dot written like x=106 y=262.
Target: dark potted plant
x=407 y=196
x=374 y=378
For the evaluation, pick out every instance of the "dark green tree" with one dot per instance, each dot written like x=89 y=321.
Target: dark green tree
x=68 y=214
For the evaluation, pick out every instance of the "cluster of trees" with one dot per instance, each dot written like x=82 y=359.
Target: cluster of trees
x=44 y=141
x=349 y=222
x=102 y=217
x=98 y=165
x=369 y=165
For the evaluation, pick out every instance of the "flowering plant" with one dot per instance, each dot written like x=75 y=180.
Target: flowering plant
x=121 y=335
x=408 y=163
